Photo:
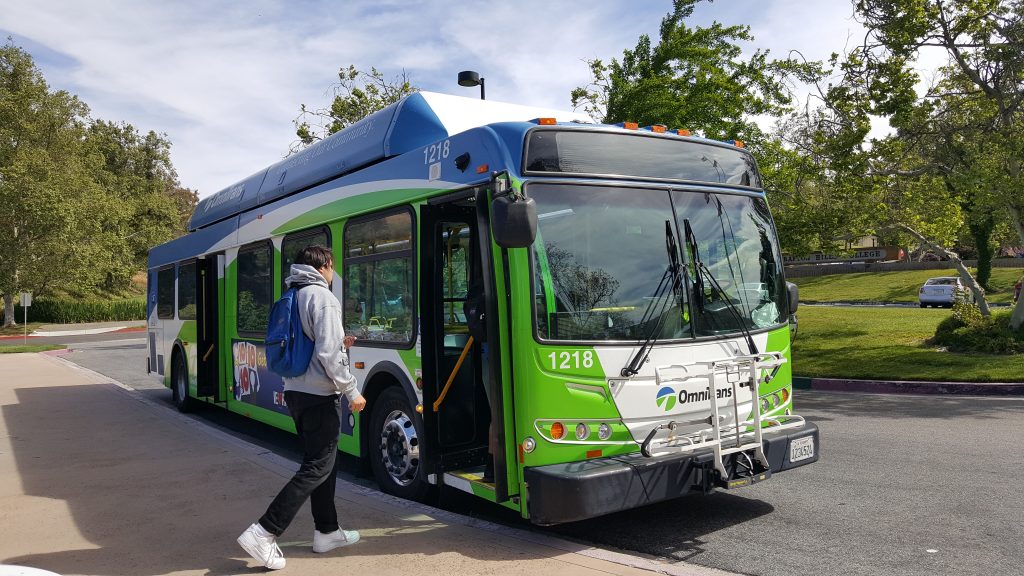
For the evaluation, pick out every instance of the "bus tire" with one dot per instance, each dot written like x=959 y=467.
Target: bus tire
x=395 y=437
x=179 y=383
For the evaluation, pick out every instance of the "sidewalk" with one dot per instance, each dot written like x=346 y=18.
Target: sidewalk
x=95 y=479
x=51 y=330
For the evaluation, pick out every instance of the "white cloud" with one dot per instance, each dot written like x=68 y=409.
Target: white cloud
x=225 y=82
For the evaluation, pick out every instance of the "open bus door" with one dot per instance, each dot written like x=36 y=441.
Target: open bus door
x=207 y=371
x=456 y=258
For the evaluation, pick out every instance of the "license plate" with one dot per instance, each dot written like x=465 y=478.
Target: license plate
x=801 y=449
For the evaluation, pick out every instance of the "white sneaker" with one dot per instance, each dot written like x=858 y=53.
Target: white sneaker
x=262 y=546
x=327 y=542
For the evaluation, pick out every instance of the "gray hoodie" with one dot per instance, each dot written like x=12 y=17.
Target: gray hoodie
x=320 y=312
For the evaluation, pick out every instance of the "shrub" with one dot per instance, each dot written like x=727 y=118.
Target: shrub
x=75 y=311
x=990 y=335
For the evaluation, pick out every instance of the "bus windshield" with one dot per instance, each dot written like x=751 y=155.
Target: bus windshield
x=601 y=253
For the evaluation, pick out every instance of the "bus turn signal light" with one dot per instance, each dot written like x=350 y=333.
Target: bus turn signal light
x=557 y=431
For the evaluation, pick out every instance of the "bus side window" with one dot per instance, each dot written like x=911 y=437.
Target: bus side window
x=255 y=288
x=378 y=278
x=294 y=243
x=165 y=293
x=187 y=291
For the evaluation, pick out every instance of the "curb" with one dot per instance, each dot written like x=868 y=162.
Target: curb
x=909 y=387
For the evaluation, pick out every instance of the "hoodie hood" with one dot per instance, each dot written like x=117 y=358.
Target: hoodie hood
x=305 y=274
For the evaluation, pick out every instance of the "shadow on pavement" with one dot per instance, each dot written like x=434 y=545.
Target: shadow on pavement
x=128 y=492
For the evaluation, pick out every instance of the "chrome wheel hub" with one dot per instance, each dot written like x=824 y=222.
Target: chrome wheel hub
x=400 y=448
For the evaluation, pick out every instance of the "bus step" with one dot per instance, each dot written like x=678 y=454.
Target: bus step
x=742 y=480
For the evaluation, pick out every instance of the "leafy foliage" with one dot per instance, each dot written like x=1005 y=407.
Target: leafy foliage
x=356 y=95
x=975 y=333
x=81 y=200
x=75 y=311
x=694 y=78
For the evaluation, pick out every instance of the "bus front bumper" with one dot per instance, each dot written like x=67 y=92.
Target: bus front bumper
x=579 y=490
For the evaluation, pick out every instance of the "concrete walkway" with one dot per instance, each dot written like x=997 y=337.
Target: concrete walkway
x=97 y=480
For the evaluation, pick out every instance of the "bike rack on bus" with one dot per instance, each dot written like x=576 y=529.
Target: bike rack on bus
x=747 y=371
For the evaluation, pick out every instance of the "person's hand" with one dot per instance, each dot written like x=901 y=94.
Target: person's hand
x=357 y=405
x=348 y=341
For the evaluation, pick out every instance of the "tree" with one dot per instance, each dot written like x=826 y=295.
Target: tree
x=984 y=40
x=694 y=78
x=50 y=207
x=148 y=205
x=81 y=201
x=356 y=95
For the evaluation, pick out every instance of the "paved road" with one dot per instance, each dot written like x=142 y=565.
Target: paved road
x=906 y=485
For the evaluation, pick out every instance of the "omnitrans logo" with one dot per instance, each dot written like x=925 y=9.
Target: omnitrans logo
x=666 y=399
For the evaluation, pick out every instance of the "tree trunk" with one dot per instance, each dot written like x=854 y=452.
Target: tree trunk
x=982 y=233
x=9 y=310
x=1017 y=216
x=965 y=274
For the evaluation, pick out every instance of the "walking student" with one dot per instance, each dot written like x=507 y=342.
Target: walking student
x=314 y=400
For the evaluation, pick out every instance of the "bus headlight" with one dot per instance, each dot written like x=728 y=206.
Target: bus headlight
x=604 y=431
x=582 y=431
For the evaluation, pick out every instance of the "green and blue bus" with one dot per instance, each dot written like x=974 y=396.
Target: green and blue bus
x=634 y=326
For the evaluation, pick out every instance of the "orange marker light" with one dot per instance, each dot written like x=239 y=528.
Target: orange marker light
x=360 y=365
x=593 y=453
x=557 y=431
x=630 y=125
x=660 y=129
x=683 y=132
x=738 y=143
x=546 y=121
x=482 y=168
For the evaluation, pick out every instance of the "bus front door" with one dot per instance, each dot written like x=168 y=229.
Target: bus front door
x=455 y=370
x=207 y=372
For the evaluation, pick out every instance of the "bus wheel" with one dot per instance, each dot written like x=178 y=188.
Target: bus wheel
x=394 y=439
x=179 y=384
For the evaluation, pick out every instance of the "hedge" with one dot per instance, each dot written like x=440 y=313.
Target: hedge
x=75 y=311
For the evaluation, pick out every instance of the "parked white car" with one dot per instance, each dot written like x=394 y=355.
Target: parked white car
x=940 y=291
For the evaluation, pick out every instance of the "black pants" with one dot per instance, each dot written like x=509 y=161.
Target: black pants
x=318 y=423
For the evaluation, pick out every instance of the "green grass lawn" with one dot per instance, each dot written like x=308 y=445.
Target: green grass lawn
x=19 y=349
x=893 y=286
x=19 y=329
x=888 y=344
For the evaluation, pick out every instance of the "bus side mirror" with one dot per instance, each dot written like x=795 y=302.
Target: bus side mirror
x=794 y=296
x=514 y=222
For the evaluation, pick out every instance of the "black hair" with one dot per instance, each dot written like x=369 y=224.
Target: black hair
x=316 y=256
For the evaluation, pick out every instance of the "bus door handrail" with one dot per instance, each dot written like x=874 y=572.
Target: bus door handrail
x=455 y=371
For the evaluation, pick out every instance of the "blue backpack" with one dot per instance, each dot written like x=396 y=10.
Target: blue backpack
x=289 y=350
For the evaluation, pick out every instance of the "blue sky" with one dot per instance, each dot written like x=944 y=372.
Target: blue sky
x=225 y=80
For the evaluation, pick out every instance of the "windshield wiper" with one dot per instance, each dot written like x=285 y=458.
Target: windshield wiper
x=669 y=280
x=698 y=286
